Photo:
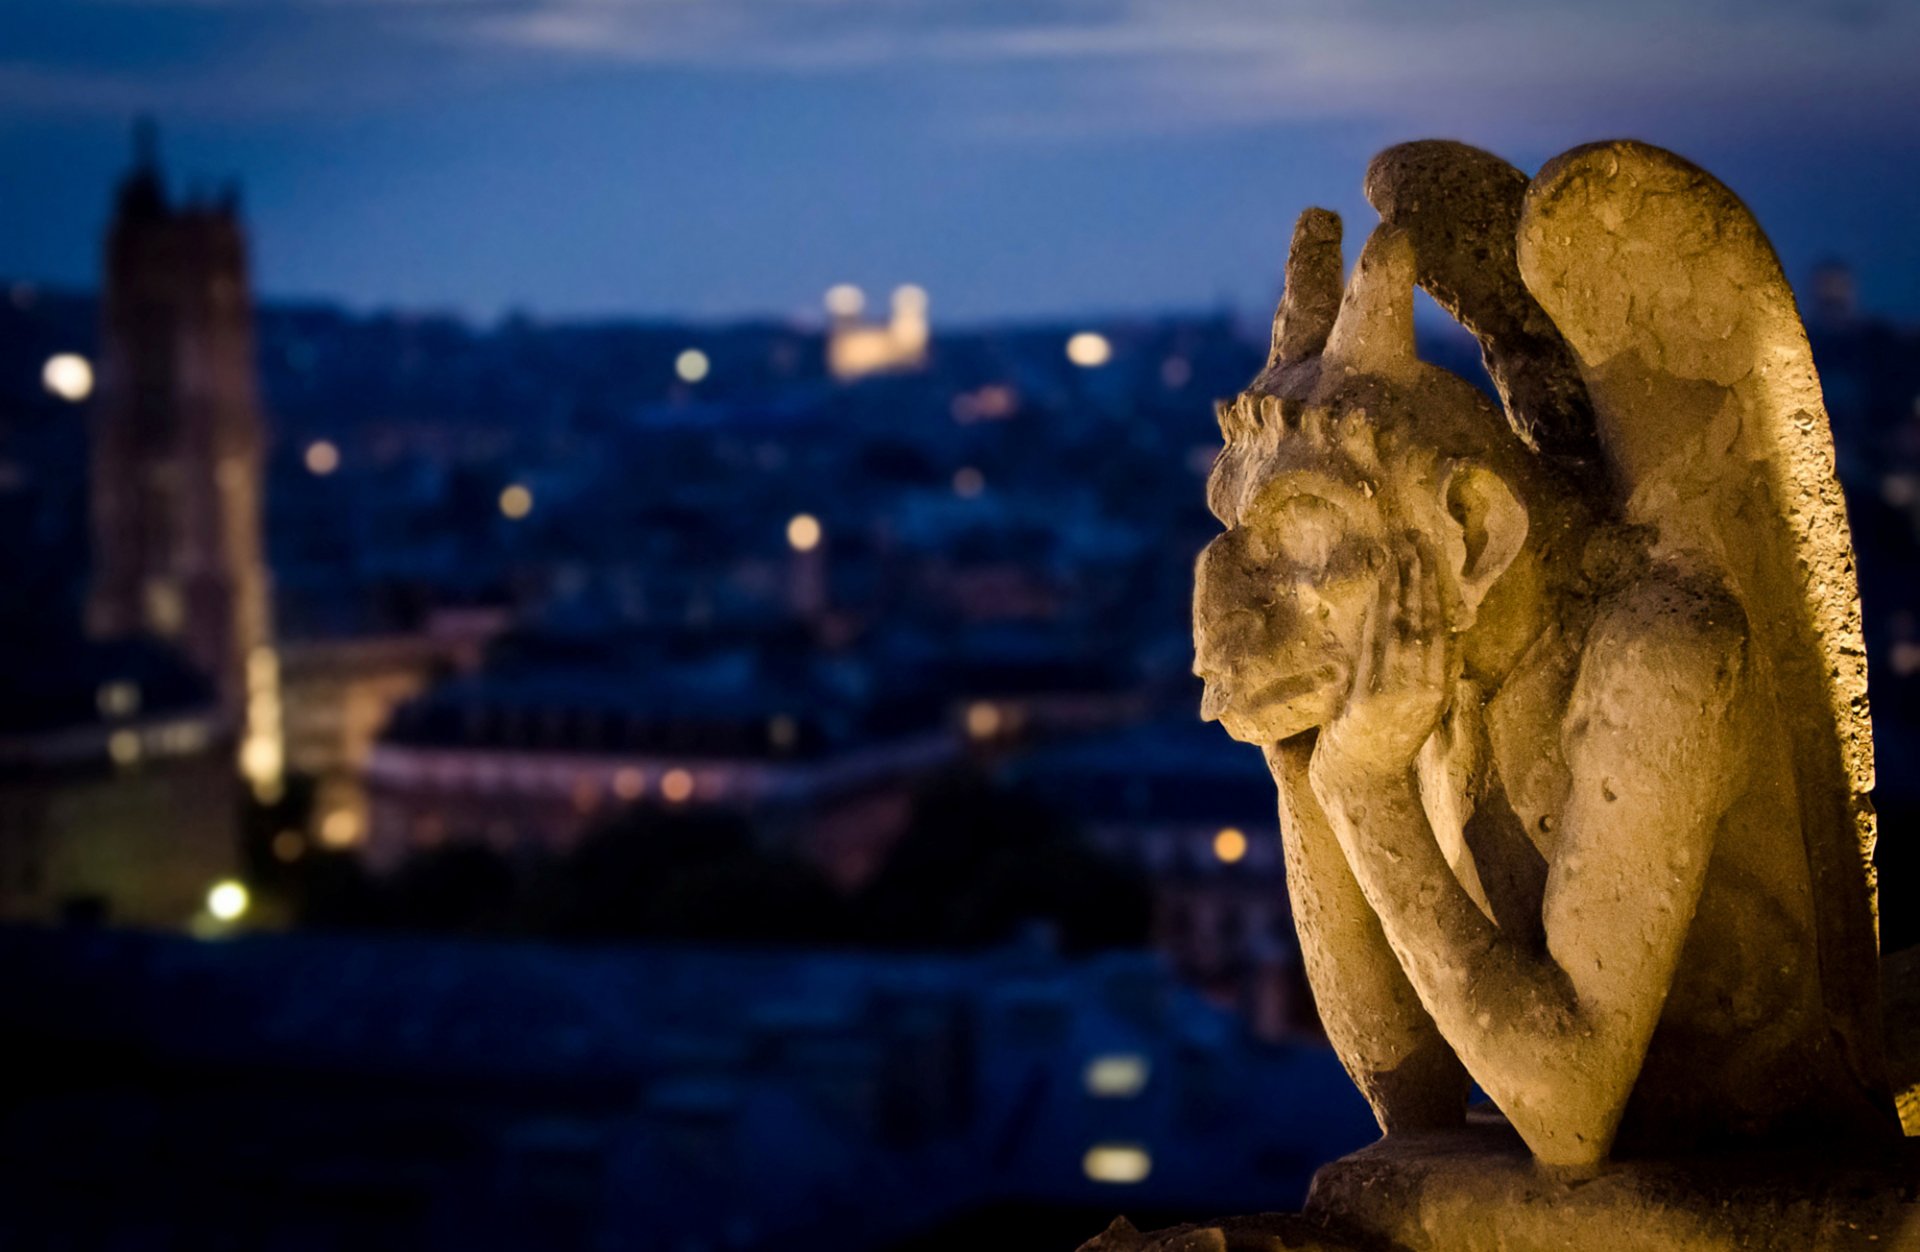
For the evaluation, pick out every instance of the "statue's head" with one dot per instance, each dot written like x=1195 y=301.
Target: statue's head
x=1342 y=446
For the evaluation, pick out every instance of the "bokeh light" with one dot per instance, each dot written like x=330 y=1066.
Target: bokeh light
x=1089 y=350
x=322 y=457
x=692 y=365
x=228 y=900
x=69 y=376
x=803 y=532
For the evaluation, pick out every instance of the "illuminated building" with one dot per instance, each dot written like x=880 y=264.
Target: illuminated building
x=856 y=349
x=533 y=754
x=177 y=450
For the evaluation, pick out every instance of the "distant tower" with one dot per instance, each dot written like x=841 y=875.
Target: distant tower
x=177 y=453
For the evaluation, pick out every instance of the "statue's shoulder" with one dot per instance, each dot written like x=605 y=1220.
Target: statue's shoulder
x=1668 y=637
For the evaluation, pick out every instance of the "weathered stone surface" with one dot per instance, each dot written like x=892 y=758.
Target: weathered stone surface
x=1476 y=1190
x=1565 y=704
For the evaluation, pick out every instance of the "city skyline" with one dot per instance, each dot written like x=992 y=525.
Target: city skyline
x=736 y=158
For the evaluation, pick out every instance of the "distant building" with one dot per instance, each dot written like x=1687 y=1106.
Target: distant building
x=856 y=348
x=342 y=691
x=177 y=454
x=1196 y=813
x=117 y=791
x=531 y=753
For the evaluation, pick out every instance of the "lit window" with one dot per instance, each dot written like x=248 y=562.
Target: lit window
x=1230 y=844
x=516 y=502
x=692 y=365
x=1117 y=1163
x=69 y=376
x=1117 y=1076
x=322 y=458
x=1089 y=350
x=803 y=532
x=228 y=900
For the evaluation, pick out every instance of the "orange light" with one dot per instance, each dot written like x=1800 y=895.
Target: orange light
x=676 y=786
x=322 y=458
x=803 y=532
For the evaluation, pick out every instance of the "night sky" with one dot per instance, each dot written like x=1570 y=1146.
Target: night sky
x=1023 y=158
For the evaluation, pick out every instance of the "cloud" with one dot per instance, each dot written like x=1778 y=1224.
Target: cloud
x=1075 y=67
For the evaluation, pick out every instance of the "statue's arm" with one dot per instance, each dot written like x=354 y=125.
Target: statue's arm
x=1557 y=1038
x=1385 y=1039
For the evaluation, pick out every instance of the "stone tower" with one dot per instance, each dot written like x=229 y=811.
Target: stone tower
x=177 y=453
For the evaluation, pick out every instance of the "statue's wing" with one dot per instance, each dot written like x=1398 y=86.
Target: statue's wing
x=1711 y=422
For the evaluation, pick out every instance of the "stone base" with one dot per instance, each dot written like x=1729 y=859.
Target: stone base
x=1477 y=1190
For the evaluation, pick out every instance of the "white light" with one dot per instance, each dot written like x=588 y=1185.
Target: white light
x=1117 y=1076
x=692 y=365
x=1089 y=350
x=910 y=300
x=1117 y=1163
x=69 y=376
x=228 y=900
x=322 y=458
x=803 y=532
x=845 y=300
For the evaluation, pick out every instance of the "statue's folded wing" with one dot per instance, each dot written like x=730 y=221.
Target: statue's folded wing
x=1673 y=305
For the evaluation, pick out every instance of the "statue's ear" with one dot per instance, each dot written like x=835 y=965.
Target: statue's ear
x=1488 y=526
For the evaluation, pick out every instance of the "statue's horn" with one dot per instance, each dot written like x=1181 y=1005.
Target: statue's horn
x=1312 y=297
x=1374 y=332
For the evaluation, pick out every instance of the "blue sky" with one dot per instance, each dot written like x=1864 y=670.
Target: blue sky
x=711 y=158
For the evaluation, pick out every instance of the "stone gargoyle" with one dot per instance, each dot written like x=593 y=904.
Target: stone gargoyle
x=1565 y=697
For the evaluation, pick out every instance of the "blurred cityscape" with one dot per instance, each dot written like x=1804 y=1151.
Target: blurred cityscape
x=661 y=786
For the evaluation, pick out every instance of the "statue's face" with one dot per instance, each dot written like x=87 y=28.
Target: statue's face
x=1281 y=598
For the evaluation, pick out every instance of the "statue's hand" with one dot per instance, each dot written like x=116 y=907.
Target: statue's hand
x=1402 y=678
